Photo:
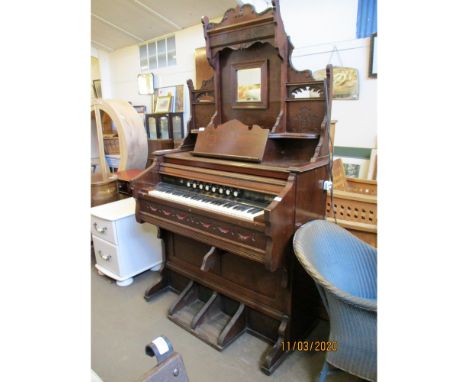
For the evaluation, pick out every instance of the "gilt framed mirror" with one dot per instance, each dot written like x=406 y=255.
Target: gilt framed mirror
x=146 y=84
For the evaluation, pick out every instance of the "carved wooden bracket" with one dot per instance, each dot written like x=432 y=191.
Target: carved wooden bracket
x=277 y=353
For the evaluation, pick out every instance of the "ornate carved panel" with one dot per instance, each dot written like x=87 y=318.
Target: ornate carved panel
x=203 y=223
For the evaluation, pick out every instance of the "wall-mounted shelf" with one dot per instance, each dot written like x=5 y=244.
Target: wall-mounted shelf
x=305 y=99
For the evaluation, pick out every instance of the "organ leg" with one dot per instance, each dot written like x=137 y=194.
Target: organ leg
x=159 y=287
x=277 y=353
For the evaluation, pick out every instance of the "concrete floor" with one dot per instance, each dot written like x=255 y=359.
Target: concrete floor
x=123 y=323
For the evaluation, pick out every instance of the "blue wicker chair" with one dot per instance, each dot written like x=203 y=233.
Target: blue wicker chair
x=344 y=269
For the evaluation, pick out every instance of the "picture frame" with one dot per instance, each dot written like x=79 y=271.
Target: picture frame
x=163 y=104
x=168 y=91
x=372 y=172
x=345 y=82
x=352 y=170
x=179 y=99
x=177 y=94
x=97 y=88
x=354 y=167
x=373 y=56
x=250 y=85
x=141 y=109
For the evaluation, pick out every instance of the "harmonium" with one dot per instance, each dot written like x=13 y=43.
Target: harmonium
x=229 y=198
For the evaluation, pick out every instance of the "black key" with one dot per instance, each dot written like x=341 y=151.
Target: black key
x=246 y=208
x=254 y=210
x=240 y=208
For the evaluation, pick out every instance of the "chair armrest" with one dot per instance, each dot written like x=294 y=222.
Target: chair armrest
x=315 y=237
x=369 y=304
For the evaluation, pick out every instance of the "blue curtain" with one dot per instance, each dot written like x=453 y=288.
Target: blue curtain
x=366 y=18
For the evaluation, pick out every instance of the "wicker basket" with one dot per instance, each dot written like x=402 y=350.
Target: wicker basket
x=111 y=145
x=355 y=204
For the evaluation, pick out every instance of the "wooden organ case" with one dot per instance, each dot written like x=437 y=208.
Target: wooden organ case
x=229 y=199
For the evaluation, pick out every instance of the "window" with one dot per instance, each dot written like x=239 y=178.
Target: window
x=143 y=58
x=158 y=54
x=171 y=51
x=162 y=54
x=152 y=55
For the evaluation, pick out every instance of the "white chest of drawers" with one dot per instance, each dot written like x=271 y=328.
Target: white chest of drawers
x=123 y=247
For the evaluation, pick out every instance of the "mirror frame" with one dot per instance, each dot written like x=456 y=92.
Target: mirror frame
x=149 y=78
x=263 y=103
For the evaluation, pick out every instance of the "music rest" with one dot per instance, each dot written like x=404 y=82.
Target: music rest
x=232 y=140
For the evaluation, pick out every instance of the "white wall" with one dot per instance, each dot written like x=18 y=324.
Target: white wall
x=104 y=70
x=315 y=27
x=125 y=66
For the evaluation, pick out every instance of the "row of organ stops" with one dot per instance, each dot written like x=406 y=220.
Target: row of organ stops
x=214 y=188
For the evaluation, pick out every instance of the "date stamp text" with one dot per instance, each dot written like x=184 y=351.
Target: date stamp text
x=309 y=346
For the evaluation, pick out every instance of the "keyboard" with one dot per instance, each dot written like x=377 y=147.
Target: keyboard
x=235 y=208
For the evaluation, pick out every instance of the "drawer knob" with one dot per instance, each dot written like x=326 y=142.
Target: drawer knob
x=100 y=230
x=104 y=257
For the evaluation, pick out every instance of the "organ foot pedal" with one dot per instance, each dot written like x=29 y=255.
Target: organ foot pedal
x=212 y=317
x=218 y=321
x=169 y=367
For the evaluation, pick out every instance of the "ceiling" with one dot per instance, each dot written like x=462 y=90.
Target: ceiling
x=119 y=23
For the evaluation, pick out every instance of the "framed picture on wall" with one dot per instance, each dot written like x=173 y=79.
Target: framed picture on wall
x=373 y=56
x=345 y=82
